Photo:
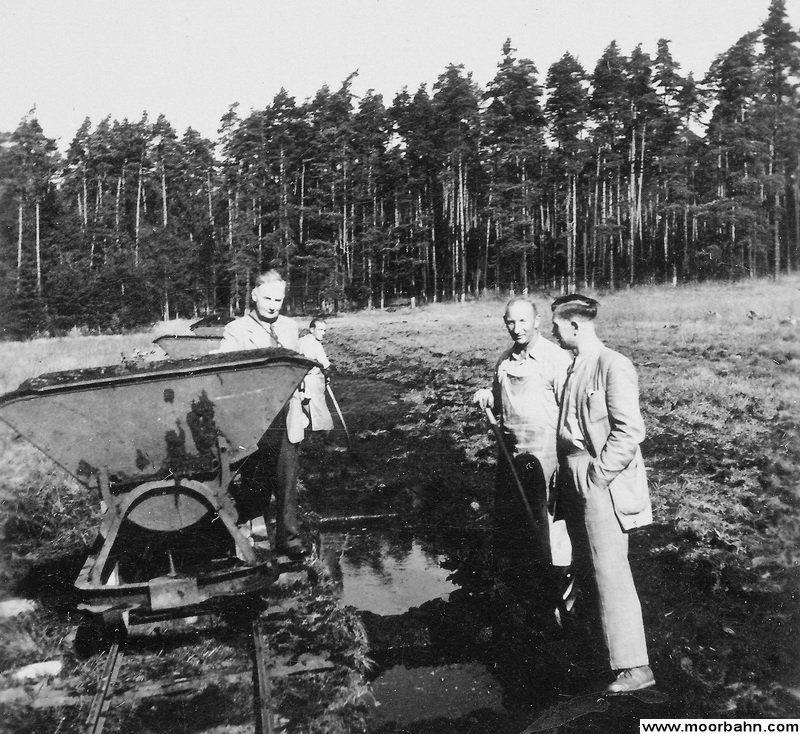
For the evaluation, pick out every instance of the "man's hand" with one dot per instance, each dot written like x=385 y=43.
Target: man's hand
x=484 y=398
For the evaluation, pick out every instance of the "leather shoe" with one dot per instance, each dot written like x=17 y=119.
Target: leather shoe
x=632 y=679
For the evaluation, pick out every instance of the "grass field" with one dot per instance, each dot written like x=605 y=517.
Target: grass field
x=719 y=368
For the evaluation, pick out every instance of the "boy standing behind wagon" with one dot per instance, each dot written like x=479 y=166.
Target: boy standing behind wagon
x=316 y=380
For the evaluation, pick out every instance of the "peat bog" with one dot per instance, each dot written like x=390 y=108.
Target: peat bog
x=717 y=573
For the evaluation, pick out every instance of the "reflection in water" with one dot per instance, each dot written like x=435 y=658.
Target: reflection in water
x=387 y=573
x=384 y=574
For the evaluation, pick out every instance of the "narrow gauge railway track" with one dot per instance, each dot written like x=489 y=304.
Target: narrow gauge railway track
x=98 y=711
x=265 y=667
x=102 y=699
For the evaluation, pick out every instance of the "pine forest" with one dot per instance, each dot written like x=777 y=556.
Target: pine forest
x=632 y=171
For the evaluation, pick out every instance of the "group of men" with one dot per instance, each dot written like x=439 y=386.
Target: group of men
x=572 y=466
x=570 y=421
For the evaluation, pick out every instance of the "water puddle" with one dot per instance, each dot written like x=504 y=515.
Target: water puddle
x=401 y=585
x=409 y=695
x=384 y=573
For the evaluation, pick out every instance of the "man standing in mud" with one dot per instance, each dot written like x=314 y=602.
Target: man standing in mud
x=274 y=467
x=602 y=489
x=528 y=381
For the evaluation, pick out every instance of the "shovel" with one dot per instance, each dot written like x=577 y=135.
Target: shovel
x=341 y=417
x=507 y=454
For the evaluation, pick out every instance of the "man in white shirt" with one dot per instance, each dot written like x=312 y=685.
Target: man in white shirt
x=273 y=468
x=526 y=391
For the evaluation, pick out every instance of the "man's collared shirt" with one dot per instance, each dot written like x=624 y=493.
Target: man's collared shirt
x=528 y=383
x=250 y=332
x=312 y=348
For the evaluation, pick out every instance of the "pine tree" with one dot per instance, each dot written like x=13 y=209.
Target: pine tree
x=456 y=105
x=416 y=167
x=34 y=159
x=780 y=61
x=513 y=151
x=566 y=111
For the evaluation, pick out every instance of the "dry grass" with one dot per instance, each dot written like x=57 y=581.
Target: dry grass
x=24 y=359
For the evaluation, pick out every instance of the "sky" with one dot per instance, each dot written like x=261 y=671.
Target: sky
x=192 y=59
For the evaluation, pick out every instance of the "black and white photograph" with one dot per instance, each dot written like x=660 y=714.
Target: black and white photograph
x=399 y=366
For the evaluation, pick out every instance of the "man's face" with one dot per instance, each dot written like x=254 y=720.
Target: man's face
x=522 y=323
x=319 y=330
x=564 y=332
x=268 y=300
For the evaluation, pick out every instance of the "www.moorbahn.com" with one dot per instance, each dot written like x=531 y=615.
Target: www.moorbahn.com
x=692 y=726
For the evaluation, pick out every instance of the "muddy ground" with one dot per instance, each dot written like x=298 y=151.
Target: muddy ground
x=717 y=573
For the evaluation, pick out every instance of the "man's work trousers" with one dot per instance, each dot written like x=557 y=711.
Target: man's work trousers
x=532 y=552
x=273 y=470
x=546 y=540
x=600 y=550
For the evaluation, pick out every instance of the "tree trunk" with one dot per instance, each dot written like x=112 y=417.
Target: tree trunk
x=433 y=258
x=486 y=252
x=686 y=259
x=383 y=279
x=283 y=214
x=574 y=208
x=19 y=244
x=138 y=217
x=632 y=206
x=462 y=200
x=301 y=233
x=98 y=199
x=640 y=185
x=210 y=202
x=776 y=233
x=38 y=251
x=571 y=231
x=595 y=216
x=163 y=195
x=166 y=298
x=117 y=208
x=605 y=240
x=85 y=200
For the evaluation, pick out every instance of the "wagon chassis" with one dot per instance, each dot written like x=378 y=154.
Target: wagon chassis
x=173 y=591
x=123 y=431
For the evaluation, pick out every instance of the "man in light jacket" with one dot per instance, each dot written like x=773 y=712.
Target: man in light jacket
x=602 y=488
x=274 y=467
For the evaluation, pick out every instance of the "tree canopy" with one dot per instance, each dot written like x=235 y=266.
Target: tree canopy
x=630 y=172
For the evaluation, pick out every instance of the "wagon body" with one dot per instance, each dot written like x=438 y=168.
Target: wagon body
x=154 y=420
x=212 y=325
x=182 y=346
x=159 y=441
